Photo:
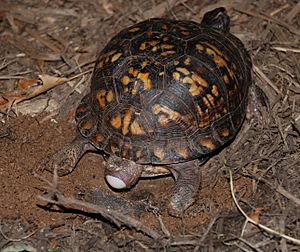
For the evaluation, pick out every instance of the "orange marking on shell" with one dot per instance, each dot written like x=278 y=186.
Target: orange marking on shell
x=143 y=46
x=195 y=90
x=176 y=76
x=172 y=115
x=215 y=91
x=163 y=120
x=164 y=27
x=206 y=102
x=203 y=124
x=226 y=79
x=130 y=70
x=114 y=148
x=101 y=98
x=154 y=49
x=126 y=122
x=175 y=62
x=188 y=80
x=99 y=138
x=182 y=152
x=159 y=152
x=185 y=33
x=203 y=117
x=135 y=88
x=211 y=99
x=106 y=55
x=87 y=125
x=156 y=109
x=207 y=142
x=133 y=71
x=81 y=109
x=211 y=52
x=144 y=77
x=144 y=64
x=222 y=63
x=217 y=115
x=136 y=129
x=161 y=73
x=166 y=53
x=125 y=80
x=104 y=58
x=110 y=96
x=153 y=42
x=214 y=48
x=134 y=29
x=200 y=80
x=167 y=46
x=234 y=66
x=183 y=70
x=115 y=57
x=200 y=47
x=116 y=121
x=147 y=84
x=199 y=110
x=187 y=61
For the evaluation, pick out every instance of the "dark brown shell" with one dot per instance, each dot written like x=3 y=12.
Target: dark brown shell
x=166 y=91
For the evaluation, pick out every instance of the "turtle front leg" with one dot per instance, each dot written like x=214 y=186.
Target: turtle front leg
x=187 y=179
x=65 y=160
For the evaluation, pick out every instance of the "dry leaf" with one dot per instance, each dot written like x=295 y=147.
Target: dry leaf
x=26 y=83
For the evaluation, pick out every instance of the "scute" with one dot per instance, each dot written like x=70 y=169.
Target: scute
x=166 y=91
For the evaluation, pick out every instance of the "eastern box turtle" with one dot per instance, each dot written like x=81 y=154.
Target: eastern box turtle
x=165 y=95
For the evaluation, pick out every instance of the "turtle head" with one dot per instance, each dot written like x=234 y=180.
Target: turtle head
x=217 y=19
x=121 y=173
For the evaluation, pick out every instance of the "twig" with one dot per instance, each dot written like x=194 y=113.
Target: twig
x=163 y=227
x=248 y=219
x=4 y=65
x=289 y=127
x=116 y=217
x=249 y=245
x=271 y=19
x=212 y=222
x=283 y=192
x=262 y=76
x=15 y=240
x=19 y=75
x=286 y=49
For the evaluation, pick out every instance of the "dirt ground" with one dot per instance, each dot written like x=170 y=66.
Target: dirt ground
x=45 y=42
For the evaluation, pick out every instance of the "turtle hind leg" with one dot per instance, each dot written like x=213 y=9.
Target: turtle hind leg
x=64 y=161
x=187 y=179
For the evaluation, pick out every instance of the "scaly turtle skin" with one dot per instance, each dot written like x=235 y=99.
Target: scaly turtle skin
x=165 y=95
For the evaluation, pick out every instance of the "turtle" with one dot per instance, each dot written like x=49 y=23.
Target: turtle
x=165 y=96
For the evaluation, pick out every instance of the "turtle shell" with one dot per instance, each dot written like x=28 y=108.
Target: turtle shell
x=167 y=91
